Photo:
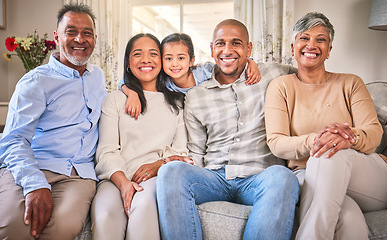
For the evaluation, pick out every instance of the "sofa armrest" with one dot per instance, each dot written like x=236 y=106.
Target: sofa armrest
x=378 y=91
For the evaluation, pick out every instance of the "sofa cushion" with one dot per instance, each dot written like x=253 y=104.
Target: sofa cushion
x=225 y=220
x=377 y=224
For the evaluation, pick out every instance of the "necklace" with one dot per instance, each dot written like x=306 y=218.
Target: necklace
x=316 y=90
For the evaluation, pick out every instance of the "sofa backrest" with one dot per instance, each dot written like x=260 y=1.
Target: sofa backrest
x=378 y=91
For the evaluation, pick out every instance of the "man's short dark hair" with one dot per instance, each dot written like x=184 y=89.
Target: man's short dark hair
x=76 y=8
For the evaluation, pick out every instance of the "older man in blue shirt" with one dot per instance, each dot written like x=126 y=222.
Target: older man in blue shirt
x=47 y=178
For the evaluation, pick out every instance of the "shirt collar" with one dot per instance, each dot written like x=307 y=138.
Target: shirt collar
x=213 y=83
x=65 y=70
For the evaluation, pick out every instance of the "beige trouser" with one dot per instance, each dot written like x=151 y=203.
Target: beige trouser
x=337 y=191
x=72 y=197
x=109 y=220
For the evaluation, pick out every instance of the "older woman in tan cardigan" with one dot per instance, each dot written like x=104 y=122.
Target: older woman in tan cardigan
x=326 y=122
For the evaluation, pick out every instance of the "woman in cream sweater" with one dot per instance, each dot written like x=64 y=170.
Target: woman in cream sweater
x=326 y=122
x=130 y=151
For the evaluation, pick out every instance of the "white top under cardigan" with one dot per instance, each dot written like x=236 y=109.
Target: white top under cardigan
x=125 y=143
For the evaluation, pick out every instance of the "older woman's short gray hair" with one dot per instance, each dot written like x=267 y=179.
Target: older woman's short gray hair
x=311 y=20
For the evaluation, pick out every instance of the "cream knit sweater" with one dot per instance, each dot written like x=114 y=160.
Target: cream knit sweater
x=125 y=143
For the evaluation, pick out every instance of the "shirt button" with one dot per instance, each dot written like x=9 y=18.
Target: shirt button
x=237 y=139
x=240 y=102
x=232 y=154
x=241 y=123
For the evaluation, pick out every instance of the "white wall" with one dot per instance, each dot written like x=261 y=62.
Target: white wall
x=23 y=16
x=356 y=49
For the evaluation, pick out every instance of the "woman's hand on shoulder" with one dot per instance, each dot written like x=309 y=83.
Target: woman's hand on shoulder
x=329 y=139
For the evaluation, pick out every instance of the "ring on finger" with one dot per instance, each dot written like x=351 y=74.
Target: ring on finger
x=334 y=144
x=146 y=174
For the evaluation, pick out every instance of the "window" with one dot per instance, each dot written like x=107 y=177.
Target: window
x=195 y=18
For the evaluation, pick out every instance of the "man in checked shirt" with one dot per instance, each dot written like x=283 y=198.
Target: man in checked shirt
x=227 y=141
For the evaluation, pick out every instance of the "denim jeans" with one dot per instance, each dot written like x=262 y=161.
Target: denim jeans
x=273 y=194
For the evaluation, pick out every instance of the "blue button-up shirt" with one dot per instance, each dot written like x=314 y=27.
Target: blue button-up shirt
x=52 y=124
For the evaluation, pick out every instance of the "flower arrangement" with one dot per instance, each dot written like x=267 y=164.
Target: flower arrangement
x=32 y=50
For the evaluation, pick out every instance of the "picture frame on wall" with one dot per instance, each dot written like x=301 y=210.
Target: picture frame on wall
x=2 y=14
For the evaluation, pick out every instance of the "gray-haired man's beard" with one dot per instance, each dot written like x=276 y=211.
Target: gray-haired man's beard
x=74 y=60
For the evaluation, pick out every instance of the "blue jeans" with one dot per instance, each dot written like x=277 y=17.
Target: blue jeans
x=273 y=194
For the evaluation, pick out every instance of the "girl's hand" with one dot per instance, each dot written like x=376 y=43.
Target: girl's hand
x=252 y=72
x=147 y=171
x=133 y=104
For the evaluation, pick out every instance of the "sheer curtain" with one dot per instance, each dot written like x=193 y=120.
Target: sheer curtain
x=270 y=24
x=113 y=28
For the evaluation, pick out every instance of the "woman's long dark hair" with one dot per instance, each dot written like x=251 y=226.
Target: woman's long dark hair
x=174 y=99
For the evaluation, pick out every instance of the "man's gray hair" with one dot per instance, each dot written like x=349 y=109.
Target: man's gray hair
x=311 y=20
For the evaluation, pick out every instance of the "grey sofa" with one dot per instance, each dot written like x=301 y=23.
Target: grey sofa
x=226 y=221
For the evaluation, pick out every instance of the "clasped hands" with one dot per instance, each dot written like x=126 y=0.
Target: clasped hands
x=335 y=136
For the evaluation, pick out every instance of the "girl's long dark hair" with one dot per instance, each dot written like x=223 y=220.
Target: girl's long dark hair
x=174 y=99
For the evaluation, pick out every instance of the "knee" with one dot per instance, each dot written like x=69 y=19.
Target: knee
x=107 y=206
x=66 y=227
x=171 y=174
x=283 y=181
x=340 y=157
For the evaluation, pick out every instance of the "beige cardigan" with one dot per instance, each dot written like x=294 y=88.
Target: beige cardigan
x=295 y=112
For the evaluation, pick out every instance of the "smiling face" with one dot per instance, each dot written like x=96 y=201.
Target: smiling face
x=176 y=60
x=230 y=49
x=76 y=39
x=312 y=47
x=145 y=62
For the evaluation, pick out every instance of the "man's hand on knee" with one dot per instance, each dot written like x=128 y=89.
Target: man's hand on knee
x=38 y=209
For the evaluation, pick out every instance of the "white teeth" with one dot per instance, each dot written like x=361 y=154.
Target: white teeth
x=77 y=48
x=175 y=70
x=146 y=68
x=228 y=60
x=310 y=54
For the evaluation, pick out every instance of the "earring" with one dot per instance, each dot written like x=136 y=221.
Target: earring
x=127 y=69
